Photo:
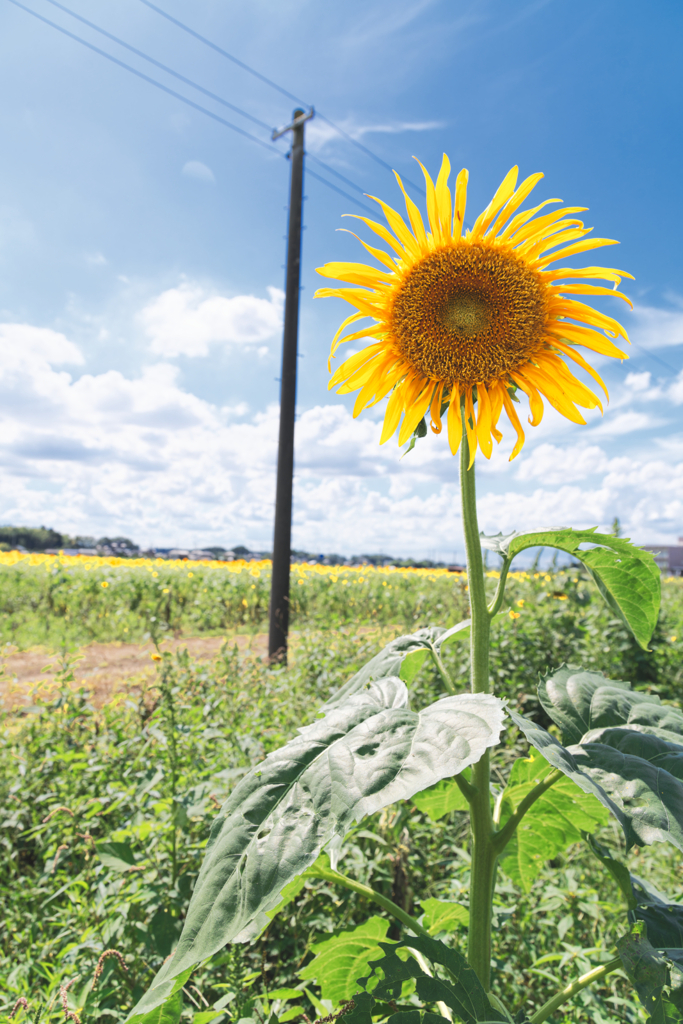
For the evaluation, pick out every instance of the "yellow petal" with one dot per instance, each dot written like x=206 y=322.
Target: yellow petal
x=460 y=203
x=516 y=201
x=443 y=199
x=470 y=426
x=601 y=273
x=435 y=407
x=383 y=233
x=535 y=401
x=415 y=217
x=504 y=192
x=454 y=420
x=400 y=229
x=432 y=212
x=392 y=415
x=353 y=363
x=587 y=289
x=586 y=337
x=379 y=254
x=514 y=420
x=522 y=218
x=572 y=250
x=357 y=273
x=580 y=311
x=571 y=353
x=414 y=415
x=537 y=227
x=484 y=421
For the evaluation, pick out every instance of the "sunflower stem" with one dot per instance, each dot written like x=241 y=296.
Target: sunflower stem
x=484 y=853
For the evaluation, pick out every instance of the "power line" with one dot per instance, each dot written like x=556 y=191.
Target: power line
x=189 y=102
x=279 y=88
x=224 y=53
x=327 y=167
x=164 y=67
x=146 y=78
x=341 y=192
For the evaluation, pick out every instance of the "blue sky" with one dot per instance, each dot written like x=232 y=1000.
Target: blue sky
x=142 y=243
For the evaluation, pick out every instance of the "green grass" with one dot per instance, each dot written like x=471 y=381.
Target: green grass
x=146 y=774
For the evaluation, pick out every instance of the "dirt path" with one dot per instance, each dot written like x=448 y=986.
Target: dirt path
x=104 y=669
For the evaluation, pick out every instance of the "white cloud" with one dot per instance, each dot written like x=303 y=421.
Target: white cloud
x=142 y=457
x=187 y=320
x=656 y=328
x=196 y=169
x=626 y=423
x=320 y=133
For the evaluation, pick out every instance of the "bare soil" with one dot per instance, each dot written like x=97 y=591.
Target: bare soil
x=104 y=669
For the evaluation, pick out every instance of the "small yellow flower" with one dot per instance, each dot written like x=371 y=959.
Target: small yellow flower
x=520 y=604
x=246 y=603
x=155 y=574
x=190 y=575
x=104 y=584
x=165 y=590
x=673 y=639
x=514 y=614
x=155 y=657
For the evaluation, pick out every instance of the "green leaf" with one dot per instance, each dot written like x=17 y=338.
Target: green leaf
x=441 y=799
x=579 y=701
x=361 y=1013
x=387 y=663
x=409 y=650
x=411 y=664
x=340 y=961
x=551 y=824
x=169 y=1009
x=285 y=993
x=628 y=577
x=204 y=1016
x=461 y=991
x=117 y=856
x=444 y=916
x=629 y=751
x=361 y=757
x=647 y=970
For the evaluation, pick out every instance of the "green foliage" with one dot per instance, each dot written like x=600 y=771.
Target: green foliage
x=362 y=756
x=627 y=577
x=443 y=798
x=626 y=750
x=444 y=916
x=339 y=962
x=552 y=823
x=450 y=980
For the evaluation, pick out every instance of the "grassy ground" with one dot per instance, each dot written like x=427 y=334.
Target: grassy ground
x=145 y=775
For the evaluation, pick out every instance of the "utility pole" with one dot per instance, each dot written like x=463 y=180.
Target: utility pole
x=282 y=534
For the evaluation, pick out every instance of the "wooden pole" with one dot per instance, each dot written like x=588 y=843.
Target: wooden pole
x=282 y=534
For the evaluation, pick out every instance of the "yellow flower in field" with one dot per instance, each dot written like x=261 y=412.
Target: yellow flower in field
x=104 y=584
x=155 y=657
x=475 y=316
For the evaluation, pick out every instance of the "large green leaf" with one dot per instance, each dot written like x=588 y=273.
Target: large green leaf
x=387 y=663
x=340 y=961
x=360 y=757
x=649 y=973
x=579 y=701
x=457 y=986
x=628 y=577
x=627 y=750
x=441 y=799
x=444 y=915
x=401 y=657
x=552 y=823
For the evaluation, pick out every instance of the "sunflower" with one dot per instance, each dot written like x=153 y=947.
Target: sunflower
x=464 y=321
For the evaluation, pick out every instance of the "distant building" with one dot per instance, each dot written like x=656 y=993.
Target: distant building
x=669 y=560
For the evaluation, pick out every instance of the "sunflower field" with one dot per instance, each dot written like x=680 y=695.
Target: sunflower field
x=106 y=810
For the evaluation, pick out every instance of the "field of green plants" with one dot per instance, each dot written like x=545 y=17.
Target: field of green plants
x=106 y=812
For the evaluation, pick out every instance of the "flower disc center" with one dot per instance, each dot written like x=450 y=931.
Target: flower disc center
x=466 y=314
x=469 y=313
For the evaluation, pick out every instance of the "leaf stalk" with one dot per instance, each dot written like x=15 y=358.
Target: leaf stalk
x=571 y=990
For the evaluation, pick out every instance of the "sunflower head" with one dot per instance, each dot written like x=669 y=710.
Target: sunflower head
x=465 y=319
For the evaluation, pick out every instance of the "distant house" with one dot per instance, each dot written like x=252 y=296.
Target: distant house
x=669 y=560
